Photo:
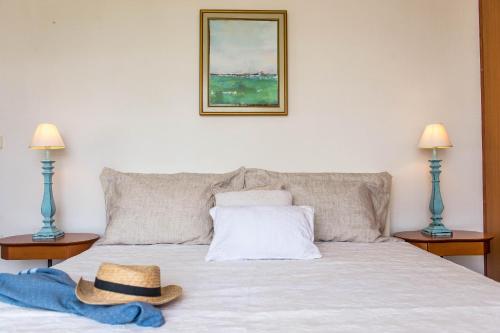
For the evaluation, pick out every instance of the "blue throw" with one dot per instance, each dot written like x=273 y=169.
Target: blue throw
x=52 y=289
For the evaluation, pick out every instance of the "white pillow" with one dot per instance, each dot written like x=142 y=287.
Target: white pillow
x=254 y=198
x=263 y=232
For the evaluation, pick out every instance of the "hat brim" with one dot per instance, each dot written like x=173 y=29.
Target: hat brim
x=87 y=293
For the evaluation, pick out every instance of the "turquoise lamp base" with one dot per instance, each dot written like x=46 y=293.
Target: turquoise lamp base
x=436 y=228
x=437 y=231
x=49 y=233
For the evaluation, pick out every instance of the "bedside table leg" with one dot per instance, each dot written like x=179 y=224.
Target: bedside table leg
x=49 y=263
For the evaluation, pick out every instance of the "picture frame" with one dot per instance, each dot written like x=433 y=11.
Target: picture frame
x=243 y=62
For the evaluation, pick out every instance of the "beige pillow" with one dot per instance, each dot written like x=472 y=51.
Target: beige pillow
x=254 y=198
x=162 y=208
x=348 y=206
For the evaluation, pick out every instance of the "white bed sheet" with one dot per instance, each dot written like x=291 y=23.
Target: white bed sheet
x=381 y=287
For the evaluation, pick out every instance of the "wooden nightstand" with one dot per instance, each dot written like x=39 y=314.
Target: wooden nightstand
x=22 y=247
x=462 y=243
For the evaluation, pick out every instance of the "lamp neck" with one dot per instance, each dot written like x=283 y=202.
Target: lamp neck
x=47 y=155
x=434 y=153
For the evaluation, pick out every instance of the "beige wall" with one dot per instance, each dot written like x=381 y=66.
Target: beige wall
x=120 y=80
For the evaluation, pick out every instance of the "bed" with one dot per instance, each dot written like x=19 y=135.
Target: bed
x=363 y=282
x=354 y=287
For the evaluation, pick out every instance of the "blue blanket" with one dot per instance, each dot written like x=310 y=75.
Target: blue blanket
x=52 y=289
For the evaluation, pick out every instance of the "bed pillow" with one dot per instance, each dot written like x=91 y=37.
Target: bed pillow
x=263 y=232
x=254 y=198
x=162 y=208
x=348 y=206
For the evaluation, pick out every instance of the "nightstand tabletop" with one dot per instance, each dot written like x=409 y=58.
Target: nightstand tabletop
x=68 y=239
x=22 y=247
x=458 y=236
x=461 y=243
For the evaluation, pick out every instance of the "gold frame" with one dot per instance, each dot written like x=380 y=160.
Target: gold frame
x=281 y=17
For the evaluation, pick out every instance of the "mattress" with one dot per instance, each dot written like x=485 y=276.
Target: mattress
x=378 y=287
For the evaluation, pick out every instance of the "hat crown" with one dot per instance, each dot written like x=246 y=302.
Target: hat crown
x=147 y=276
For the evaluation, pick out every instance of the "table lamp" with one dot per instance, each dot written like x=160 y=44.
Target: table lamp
x=47 y=138
x=435 y=137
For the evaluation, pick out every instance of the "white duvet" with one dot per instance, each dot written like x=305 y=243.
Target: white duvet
x=380 y=287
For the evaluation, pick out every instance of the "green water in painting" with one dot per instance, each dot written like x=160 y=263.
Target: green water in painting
x=243 y=90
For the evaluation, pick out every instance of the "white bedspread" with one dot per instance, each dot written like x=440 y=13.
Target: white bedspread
x=381 y=287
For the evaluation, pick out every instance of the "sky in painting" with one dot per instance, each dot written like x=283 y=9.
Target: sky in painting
x=243 y=47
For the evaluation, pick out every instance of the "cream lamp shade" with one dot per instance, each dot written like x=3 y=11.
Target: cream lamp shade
x=434 y=136
x=47 y=137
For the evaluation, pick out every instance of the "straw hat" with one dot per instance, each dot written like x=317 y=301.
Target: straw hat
x=118 y=284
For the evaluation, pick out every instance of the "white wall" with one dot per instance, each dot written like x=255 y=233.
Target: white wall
x=120 y=80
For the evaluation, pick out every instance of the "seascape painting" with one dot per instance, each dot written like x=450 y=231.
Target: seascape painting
x=243 y=67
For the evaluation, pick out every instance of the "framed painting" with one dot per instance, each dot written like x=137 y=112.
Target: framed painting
x=243 y=62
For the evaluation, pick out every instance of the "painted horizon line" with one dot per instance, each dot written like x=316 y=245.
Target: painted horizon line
x=243 y=74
